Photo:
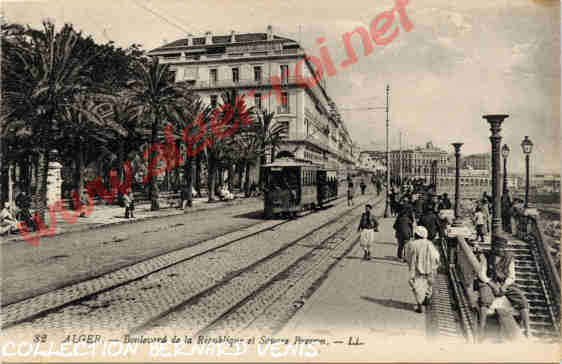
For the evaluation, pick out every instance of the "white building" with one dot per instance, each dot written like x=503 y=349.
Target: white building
x=266 y=68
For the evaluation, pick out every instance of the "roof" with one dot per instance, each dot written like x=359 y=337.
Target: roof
x=288 y=162
x=218 y=40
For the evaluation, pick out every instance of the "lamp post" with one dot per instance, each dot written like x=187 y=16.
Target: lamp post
x=495 y=122
x=457 y=147
x=527 y=147
x=505 y=154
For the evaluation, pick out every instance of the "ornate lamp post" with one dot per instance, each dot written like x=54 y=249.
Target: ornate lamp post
x=457 y=147
x=527 y=147
x=505 y=154
x=495 y=122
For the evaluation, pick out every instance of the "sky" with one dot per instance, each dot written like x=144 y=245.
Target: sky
x=461 y=60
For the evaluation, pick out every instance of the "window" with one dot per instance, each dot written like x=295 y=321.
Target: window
x=284 y=73
x=235 y=75
x=213 y=75
x=257 y=101
x=284 y=108
x=257 y=73
x=213 y=101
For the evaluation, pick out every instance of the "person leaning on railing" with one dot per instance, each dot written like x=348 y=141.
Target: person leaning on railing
x=502 y=283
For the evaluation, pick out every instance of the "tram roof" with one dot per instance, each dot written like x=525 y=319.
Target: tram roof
x=288 y=162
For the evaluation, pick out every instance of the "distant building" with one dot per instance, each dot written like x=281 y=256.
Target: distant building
x=478 y=161
x=417 y=162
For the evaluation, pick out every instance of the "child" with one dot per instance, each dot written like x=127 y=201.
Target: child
x=479 y=221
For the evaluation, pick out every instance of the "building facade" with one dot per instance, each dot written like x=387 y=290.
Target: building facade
x=274 y=74
x=482 y=161
x=417 y=162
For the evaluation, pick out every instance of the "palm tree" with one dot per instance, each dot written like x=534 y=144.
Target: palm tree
x=42 y=70
x=85 y=131
x=153 y=91
x=187 y=120
x=225 y=122
x=268 y=133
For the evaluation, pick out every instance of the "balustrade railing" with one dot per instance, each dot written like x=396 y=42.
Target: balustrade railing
x=529 y=230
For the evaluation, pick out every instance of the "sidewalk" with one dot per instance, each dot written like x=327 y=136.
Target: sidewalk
x=108 y=215
x=367 y=299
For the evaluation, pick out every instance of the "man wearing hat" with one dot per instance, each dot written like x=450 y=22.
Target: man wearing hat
x=423 y=261
x=367 y=227
x=501 y=282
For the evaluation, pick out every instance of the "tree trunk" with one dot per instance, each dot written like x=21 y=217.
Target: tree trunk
x=79 y=171
x=188 y=176
x=4 y=167
x=198 y=174
x=153 y=187
x=230 y=179
x=211 y=172
x=40 y=196
x=240 y=170
x=247 y=179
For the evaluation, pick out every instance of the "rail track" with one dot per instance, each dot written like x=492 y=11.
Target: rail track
x=143 y=296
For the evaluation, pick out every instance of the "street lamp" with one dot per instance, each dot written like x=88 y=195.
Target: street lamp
x=505 y=153
x=495 y=122
x=457 y=147
x=527 y=147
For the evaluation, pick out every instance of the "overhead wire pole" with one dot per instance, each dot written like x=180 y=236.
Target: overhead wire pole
x=387 y=162
x=387 y=158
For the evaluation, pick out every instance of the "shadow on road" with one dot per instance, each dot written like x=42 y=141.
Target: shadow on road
x=255 y=215
x=386 y=243
x=390 y=303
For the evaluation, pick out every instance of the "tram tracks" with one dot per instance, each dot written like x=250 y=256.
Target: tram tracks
x=72 y=306
x=267 y=306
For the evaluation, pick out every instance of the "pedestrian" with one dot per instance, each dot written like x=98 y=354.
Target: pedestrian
x=379 y=187
x=500 y=282
x=183 y=198
x=350 y=193
x=403 y=230
x=430 y=222
x=445 y=202
x=423 y=261
x=507 y=204
x=363 y=186
x=128 y=200
x=418 y=205
x=479 y=222
x=367 y=227
x=8 y=223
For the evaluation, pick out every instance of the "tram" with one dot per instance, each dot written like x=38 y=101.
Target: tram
x=290 y=187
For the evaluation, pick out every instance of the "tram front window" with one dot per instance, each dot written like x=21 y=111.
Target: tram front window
x=283 y=179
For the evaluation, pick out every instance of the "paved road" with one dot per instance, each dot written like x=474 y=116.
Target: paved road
x=56 y=262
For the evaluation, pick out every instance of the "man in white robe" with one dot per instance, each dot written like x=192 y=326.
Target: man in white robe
x=423 y=261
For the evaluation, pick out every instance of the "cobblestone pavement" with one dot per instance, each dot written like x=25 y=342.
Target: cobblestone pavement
x=266 y=312
x=152 y=296
x=240 y=301
x=69 y=258
x=109 y=215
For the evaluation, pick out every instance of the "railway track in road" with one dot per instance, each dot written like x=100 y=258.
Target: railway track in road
x=277 y=293
x=137 y=297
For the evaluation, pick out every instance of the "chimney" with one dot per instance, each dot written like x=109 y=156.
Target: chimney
x=232 y=38
x=208 y=38
x=189 y=39
x=269 y=32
